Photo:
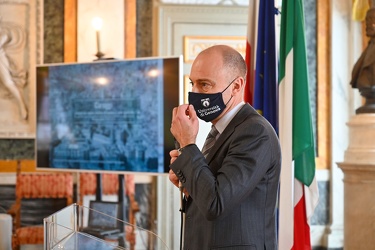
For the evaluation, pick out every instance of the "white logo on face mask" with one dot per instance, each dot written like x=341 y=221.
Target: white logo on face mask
x=205 y=102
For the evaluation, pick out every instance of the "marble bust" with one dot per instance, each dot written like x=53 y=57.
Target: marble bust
x=363 y=73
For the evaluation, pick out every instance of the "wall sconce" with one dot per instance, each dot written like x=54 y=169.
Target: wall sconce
x=97 y=23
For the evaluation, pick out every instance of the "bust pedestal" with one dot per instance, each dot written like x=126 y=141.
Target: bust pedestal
x=369 y=106
x=359 y=183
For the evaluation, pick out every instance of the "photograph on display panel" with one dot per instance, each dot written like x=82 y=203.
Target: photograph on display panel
x=107 y=115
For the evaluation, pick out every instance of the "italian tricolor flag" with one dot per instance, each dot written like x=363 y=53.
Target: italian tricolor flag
x=298 y=189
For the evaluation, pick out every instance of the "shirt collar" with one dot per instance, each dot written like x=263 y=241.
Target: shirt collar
x=225 y=120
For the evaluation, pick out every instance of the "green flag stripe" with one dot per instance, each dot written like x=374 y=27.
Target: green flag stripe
x=292 y=36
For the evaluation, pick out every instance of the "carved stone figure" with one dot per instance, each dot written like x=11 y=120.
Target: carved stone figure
x=363 y=74
x=12 y=79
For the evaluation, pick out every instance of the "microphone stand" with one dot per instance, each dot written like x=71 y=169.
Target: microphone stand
x=182 y=210
x=182 y=205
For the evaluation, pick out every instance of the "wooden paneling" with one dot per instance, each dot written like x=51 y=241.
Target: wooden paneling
x=323 y=159
x=70 y=31
x=130 y=29
x=11 y=165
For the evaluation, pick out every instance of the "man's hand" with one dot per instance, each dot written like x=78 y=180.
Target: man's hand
x=173 y=154
x=173 y=178
x=184 y=125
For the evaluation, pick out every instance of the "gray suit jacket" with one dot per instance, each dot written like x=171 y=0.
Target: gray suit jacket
x=232 y=202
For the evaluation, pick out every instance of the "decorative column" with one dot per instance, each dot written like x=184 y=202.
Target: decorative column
x=359 y=183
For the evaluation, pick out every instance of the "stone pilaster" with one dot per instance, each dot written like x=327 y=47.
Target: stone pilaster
x=359 y=184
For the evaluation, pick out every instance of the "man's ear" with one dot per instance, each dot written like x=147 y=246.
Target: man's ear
x=238 y=84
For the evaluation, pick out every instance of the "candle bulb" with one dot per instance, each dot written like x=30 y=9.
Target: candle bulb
x=97 y=23
x=98 y=40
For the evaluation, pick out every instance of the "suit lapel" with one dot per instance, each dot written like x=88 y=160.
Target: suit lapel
x=239 y=118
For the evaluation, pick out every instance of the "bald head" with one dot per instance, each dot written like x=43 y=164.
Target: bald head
x=219 y=69
x=232 y=60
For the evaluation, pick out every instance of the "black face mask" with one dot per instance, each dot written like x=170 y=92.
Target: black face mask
x=208 y=106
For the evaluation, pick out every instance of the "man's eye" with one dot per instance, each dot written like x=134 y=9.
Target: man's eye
x=206 y=86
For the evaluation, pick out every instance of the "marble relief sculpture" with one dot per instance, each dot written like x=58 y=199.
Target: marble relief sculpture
x=363 y=73
x=12 y=78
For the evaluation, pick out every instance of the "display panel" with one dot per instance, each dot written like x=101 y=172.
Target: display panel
x=107 y=115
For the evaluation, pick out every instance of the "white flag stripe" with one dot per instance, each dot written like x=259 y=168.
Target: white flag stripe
x=311 y=198
x=286 y=203
x=298 y=191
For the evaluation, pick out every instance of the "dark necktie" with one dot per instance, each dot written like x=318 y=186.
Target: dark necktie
x=210 y=141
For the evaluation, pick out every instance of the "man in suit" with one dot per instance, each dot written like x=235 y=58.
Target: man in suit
x=363 y=73
x=230 y=195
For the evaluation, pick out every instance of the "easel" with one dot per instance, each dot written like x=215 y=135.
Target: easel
x=133 y=206
x=121 y=192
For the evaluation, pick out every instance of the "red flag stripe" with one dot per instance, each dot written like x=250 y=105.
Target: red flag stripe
x=252 y=29
x=301 y=227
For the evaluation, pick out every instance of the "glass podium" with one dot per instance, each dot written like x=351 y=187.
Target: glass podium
x=79 y=227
